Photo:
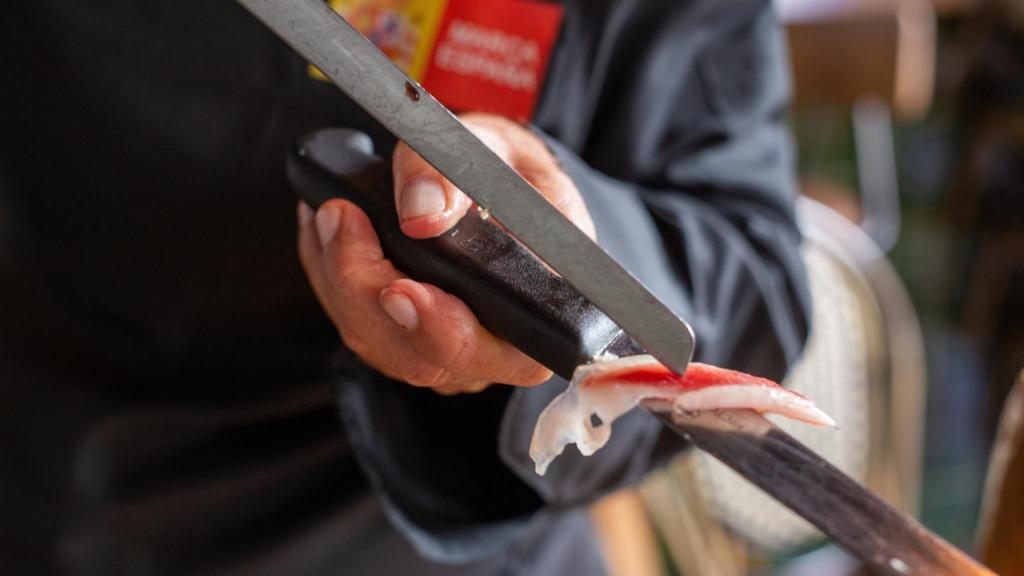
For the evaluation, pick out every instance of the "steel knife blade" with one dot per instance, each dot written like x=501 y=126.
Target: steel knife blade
x=366 y=75
x=871 y=529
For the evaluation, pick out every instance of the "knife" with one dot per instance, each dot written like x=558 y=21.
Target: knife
x=590 y=307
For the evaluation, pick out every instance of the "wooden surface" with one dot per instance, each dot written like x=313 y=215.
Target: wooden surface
x=843 y=51
x=625 y=534
x=1001 y=529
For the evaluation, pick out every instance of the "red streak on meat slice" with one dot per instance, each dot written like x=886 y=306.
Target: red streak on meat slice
x=696 y=377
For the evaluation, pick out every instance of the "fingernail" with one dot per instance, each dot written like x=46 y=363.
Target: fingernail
x=401 y=310
x=327 y=223
x=305 y=214
x=422 y=196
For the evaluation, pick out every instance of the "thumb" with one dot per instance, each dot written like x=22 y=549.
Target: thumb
x=428 y=204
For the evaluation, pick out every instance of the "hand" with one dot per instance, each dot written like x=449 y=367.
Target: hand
x=408 y=330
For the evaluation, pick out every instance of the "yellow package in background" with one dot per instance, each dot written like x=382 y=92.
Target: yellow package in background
x=403 y=30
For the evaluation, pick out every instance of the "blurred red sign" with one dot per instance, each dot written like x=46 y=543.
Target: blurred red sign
x=472 y=55
x=492 y=56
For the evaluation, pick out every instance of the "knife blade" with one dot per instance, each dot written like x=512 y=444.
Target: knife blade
x=868 y=527
x=398 y=103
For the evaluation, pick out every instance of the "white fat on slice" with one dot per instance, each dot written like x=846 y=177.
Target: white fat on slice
x=610 y=387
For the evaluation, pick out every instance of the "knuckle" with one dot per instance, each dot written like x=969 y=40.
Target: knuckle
x=456 y=358
x=362 y=275
x=556 y=187
x=428 y=375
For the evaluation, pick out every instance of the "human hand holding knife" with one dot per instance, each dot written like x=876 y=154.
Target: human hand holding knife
x=431 y=338
x=592 y=306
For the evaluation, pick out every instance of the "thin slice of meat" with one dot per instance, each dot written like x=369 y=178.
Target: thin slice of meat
x=608 y=389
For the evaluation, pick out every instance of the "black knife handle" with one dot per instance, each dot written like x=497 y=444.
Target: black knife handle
x=508 y=288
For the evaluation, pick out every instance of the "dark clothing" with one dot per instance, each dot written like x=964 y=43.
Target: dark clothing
x=171 y=389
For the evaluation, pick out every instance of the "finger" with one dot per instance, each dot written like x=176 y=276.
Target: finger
x=339 y=241
x=427 y=203
x=447 y=333
x=440 y=345
x=337 y=246
x=354 y=270
x=346 y=267
x=349 y=242
x=310 y=253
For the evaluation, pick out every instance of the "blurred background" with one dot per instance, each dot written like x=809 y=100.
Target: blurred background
x=909 y=122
